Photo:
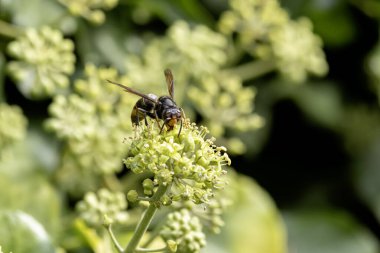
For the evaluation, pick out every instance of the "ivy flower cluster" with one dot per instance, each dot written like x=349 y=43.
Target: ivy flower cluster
x=189 y=164
x=12 y=126
x=183 y=46
x=265 y=30
x=181 y=169
x=92 y=122
x=91 y=10
x=95 y=207
x=44 y=61
x=298 y=51
x=185 y=230
x=229 y=106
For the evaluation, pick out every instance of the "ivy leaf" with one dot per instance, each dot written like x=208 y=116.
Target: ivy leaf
x=21 y=233
x=253 y=224
x=327 y=231
x=27 y=13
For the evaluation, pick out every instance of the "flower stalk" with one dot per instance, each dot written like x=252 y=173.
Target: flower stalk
x=252 y=70
x=146 y=219
x=9 y=30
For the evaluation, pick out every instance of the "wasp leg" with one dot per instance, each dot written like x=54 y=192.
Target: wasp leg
x=156 y=117
x=183 y=113
x=165 y=122
x=144 y=113
x=180 y=128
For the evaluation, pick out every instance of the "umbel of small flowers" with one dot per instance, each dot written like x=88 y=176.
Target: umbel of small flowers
x=183 y=168
x=95 y=206
x=92 y=10
x=44 y=59
x=189 y=163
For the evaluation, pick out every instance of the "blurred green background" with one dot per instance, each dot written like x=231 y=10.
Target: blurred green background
x=291 y=88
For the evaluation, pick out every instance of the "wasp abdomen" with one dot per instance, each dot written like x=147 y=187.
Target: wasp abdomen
x=143 y=108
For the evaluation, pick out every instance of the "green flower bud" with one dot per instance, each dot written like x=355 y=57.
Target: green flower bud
x=148 y=186
x=132 y=196
x=90 y=9
x=95 y=207
x=185 y=230
x=172 y=245
x=166 y=200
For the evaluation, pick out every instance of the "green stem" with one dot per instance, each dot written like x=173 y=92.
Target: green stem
x=9 y=30
x=113 y=238
x=252 y=70
x=153 y=234
x=151 y=250
x=145 y=220
x=112 y=182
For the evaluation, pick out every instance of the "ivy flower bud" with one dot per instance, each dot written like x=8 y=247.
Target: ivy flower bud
x=148 y=186
x=132 y=196
x=44 y=61
x=89 y=9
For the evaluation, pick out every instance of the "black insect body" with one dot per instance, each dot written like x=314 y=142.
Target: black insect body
x=168 y=111
x=155 y=107
x=143 y=108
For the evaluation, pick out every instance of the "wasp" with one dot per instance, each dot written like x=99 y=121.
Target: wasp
x=155 y=107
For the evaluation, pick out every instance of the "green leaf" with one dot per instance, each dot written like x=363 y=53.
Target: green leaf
x=195 y=11
x=321 y=102
x=35 y=196
x=332 y=20
x=103 y=44
x=27 y=13
x=368 y=174
x=2 y=65
x=21 y=233
x=253 y=224
x=327 y=231
x=25 y=184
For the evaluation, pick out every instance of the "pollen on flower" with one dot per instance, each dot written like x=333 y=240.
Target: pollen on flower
x=190 y=162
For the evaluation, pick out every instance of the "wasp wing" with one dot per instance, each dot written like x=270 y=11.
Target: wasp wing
x=170 y=82
x=130 y=90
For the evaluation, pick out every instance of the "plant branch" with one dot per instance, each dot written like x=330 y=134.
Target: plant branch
x=151 y=250
x=252 y=70
x=146 y=219
x=9 y=30
x=113 y=238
